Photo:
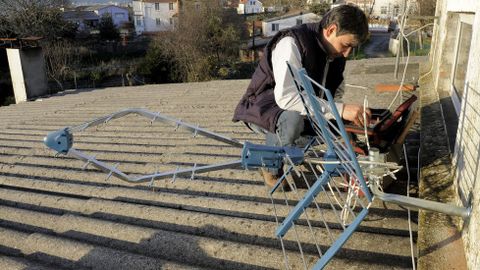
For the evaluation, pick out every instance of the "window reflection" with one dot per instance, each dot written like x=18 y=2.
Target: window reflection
x=461 y=61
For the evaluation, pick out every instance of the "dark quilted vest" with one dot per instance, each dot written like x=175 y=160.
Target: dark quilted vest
x=258 y=104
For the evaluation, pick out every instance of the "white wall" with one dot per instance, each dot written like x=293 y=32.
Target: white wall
x=388 y=6
x=467 y=148
x=15 y=65
x=153 y=19
x=466 y=159
x=251 y=6
x=138 y=14
x=310 y=2
x=287 y=22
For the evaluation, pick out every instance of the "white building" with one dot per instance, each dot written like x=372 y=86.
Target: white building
x=312 y=2
x=119 y=14
x=85 y=20
x=365 y=5
x=455 y=65
x=154 y=15
x=88 y=17
x=387 y=9
x=250 y=7
x=271 y=26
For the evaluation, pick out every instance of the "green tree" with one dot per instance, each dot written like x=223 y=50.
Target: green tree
x=107 y=29
x=157 y=65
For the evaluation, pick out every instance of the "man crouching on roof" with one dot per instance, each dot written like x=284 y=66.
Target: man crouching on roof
x=272 y=105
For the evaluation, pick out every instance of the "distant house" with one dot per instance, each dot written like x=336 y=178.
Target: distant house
x=250 y=7
x=154 y=15
x=119 y=14
x=85 y=20
x=271 y=26
x=365 y=5
x=88 y=17
x=385 y=9
x=312 y=2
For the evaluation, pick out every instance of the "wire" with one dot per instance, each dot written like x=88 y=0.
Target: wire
x=434 y=49
x=418 y=29
x=365 y=106
x=356 y=86
x=402 y=28
x=404 y=36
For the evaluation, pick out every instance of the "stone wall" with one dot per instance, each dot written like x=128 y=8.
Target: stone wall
x=467 y=149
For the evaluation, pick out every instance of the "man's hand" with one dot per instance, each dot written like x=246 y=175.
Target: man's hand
x=354 y=113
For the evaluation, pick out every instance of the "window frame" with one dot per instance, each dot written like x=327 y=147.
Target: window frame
x=383 y=10
x=139 y=21
x=275 y=27
x=454 y=93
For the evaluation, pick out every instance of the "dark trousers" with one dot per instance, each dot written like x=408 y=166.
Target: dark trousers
x=292 y=129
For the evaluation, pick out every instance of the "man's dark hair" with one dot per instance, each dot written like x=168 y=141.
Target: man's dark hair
x=349 y=20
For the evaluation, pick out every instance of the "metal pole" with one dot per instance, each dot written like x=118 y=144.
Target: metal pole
x=416 y=203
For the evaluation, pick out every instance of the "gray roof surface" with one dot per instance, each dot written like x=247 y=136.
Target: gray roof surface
x=54 y=215
x=80 y=15
x=97 y=7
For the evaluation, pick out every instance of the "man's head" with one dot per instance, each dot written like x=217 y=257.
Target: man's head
x=344 y=27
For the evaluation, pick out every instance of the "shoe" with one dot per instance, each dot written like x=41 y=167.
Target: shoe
x=271 y=179
x=307 y=176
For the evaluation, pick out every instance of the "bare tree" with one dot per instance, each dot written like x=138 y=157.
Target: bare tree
x=426 y=8
x=203 y=41
x=22 y=18
x=60 y=58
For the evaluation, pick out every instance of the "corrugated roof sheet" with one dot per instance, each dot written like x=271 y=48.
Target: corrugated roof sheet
x=56 y=215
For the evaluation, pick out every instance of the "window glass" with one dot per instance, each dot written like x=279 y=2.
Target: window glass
x=383 y=10
x=461 y=61
x=157 y=6
x=139 y=22
x=396 y=10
